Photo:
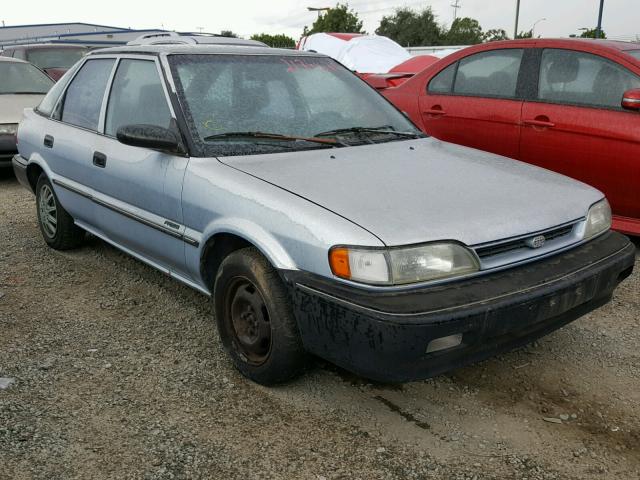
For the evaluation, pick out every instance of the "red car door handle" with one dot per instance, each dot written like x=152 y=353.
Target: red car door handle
x=539 y=123
x=435 y=111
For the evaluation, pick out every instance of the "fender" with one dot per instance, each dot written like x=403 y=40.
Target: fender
x=264 y=241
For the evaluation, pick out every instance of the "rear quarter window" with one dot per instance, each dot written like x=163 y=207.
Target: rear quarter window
x=443 y=81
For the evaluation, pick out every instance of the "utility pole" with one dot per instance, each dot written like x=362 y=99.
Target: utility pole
x=599 y=27
x=515 y=31
x=456 y=6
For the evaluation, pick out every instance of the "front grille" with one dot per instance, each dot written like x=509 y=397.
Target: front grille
x=520 y=243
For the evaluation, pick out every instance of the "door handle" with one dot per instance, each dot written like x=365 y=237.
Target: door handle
x=539 y=123
x=436 y=110
x=99 y=159
x=48 y=141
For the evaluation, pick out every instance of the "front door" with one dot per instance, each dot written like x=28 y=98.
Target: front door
x=140 y=189
x=576 y=126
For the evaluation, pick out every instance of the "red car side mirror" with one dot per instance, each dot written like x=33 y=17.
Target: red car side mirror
x=631 y=99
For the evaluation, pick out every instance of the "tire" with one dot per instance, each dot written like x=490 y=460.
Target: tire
x=56 y=225
x=255 y=319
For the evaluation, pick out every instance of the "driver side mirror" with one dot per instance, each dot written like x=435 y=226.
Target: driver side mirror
x=631 y=100
x=148 y=136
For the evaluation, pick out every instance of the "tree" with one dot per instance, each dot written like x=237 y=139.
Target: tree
x=276 y=41
x=340 y=19
x=410 y=28
x=464 y=31
x=228 y=33
x=591 y=33
x=494 y=35
x=528 y=34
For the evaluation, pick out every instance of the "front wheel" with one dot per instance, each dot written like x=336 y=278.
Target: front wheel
x=255 y=321
x=56 y=225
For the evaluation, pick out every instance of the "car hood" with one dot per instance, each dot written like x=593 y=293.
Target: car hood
x=11 y=106
x=415 y=191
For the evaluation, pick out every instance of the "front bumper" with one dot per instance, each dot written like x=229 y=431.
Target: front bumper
x=384 y=335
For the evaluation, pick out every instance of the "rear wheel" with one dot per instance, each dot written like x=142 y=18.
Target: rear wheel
x=56 y=225
x=255 y=320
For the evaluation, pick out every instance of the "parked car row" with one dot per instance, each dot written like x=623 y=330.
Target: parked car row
x=22 y=85
x=315 y=214
x=572 y=106
x=53 y=58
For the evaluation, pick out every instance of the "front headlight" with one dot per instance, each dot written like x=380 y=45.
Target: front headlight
x=402 y=265
x=8 y=128
x=598 y=219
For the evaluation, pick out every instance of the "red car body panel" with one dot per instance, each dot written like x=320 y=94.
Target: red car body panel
x=597 y=145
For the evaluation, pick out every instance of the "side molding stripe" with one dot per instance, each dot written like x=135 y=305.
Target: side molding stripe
x=132 y=216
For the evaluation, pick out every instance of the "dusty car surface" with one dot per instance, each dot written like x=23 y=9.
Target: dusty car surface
x=21 y=86
x=315 y=214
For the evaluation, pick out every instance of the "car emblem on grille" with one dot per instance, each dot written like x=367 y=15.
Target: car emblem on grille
x=535 y=242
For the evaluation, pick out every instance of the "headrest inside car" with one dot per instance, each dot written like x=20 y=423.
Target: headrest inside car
x=563 y=69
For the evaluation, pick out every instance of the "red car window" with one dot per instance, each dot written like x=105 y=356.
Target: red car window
x=581 y=78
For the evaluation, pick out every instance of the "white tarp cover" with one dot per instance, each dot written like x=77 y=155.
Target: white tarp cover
x=364 y=54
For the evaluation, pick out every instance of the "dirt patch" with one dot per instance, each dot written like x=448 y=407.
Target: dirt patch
x=117 y=372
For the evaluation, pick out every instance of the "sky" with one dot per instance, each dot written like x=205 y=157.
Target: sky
x=245 y=17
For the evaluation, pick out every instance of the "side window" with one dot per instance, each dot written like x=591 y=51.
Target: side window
x=493 y=73
x=83 y=99
x=580 y=78
x=443 y=81
x=137 y=97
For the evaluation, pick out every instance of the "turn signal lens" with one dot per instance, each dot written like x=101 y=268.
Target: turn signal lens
x=339 y=261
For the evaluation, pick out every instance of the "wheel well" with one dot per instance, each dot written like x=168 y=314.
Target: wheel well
x=217 y=248
x=33 y=174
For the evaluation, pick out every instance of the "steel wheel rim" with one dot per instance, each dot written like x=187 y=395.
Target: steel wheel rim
x=48 y=211
x=248 y=321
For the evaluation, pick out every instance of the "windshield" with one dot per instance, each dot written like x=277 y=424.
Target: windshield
x=634 y=53
x=18 y=77
x=230 y=98
x=55 y=57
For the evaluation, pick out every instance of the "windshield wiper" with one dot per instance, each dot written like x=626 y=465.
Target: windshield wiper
x=273 y=136
x=384 y=129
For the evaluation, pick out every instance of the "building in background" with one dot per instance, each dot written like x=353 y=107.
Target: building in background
x=69 y=33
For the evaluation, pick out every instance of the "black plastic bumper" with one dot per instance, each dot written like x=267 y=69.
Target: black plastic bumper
x=384 y=335
x=20 y=170
x=7 y=149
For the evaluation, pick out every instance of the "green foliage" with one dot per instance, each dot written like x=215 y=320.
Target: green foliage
x=591 y=33
x=228 y=33
x=464 y=31
x=276 y=41
x=410 y=28
x=340 y=19
x=494 y=35
x=528 y=34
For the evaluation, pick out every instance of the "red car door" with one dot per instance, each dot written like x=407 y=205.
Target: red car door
x=576 y=126
x=475 y=101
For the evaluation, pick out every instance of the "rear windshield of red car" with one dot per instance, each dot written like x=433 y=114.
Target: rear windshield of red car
x=19 y=77
x=56 y=57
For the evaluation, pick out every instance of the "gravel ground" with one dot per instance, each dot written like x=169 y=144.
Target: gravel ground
x=108 y=369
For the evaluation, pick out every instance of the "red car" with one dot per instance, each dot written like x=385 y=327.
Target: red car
x=569 y=105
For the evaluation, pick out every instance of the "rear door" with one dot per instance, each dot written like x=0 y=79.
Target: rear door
x=67 y=139
x=575 y=125
x=140 y=190
x=476 y=101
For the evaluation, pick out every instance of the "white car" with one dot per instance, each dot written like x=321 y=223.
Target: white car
x=22 y=85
